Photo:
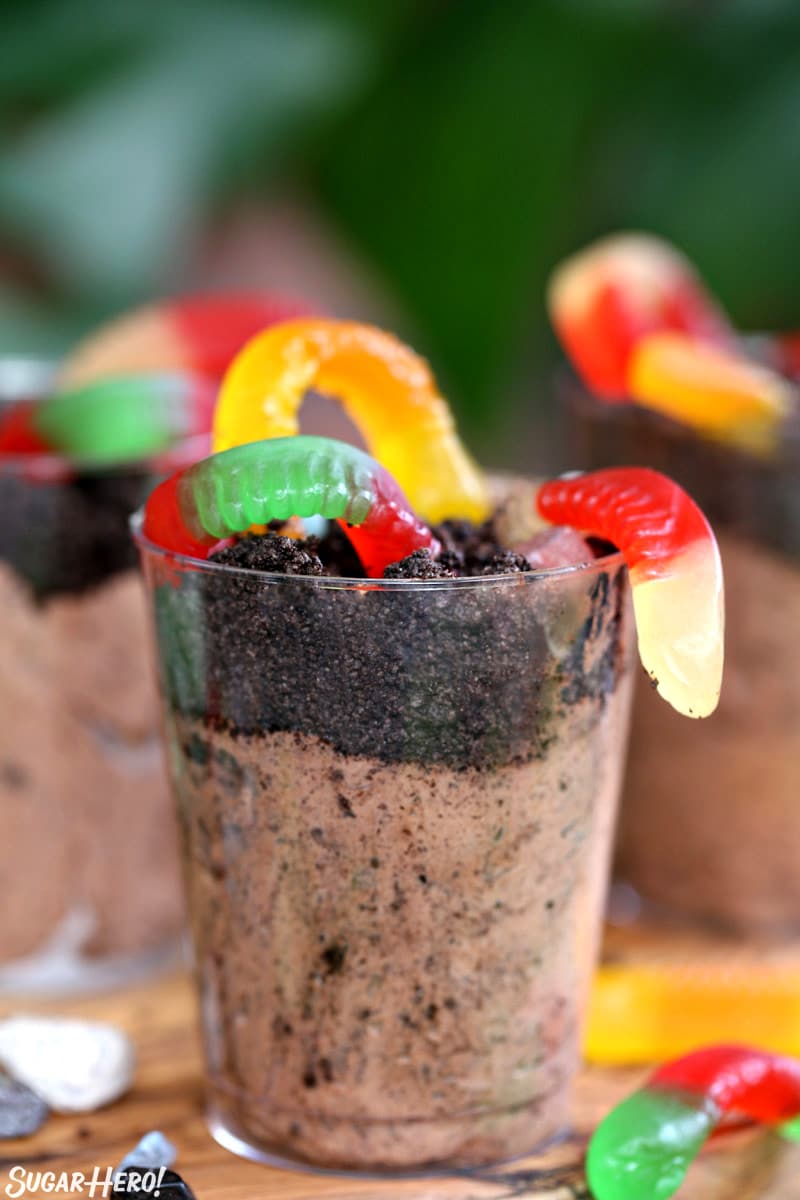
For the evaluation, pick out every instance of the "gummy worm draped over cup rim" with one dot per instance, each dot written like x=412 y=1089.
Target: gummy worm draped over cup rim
x=259 y=482
x=675 y=572
x=606 y=298
x=387 y=390
x=643 y=1148
x=712 y=390
x=637 y=323
x=199 y=333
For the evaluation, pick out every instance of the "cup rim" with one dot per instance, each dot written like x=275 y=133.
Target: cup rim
x=606 y=562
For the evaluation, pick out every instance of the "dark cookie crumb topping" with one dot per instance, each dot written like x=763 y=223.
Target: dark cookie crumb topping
x=273 y=553
x=418 y=565
x=467 y=550
x=465 y=677
x=506 y=563
x=67 y=535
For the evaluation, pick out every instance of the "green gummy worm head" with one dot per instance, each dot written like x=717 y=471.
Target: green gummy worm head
x=115 y=419
x=643 y=1148
x=281 y=478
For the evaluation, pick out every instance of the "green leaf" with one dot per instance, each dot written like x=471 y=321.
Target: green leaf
x=112 y=189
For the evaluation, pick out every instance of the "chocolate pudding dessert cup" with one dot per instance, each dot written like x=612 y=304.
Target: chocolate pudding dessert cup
x=709 y=822
x=89 y=862
x=397 y=800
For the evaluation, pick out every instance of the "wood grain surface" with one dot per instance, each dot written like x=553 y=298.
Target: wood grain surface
x=168 y=1095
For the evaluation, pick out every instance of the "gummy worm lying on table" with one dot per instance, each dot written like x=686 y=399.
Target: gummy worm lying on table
x=675 y=572
x=385 y=388
x=302 y=476
x=199 y=333
x=643 y=1148
x=644 y=1012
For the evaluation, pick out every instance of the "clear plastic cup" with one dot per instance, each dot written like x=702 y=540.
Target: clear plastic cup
x=710 y=822
x=397 y=802
x=89 y=862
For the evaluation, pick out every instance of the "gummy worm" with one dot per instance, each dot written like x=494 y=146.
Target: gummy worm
x=605 y=299
x=271 y=480
x=638 y=325
x=675 y=572
x=386 y=389
x=713 y=390
x=18 y=434
x=125 y=417
x=643 y=1148
x=642 y=1013
x=199 y=333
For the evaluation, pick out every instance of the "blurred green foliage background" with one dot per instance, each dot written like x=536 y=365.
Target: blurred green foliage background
x=421 y=162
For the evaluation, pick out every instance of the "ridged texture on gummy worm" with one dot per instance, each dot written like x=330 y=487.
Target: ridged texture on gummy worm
x=675 y=569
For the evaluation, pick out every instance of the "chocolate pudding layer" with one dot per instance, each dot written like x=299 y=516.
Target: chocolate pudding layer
x=89 y=863
x=397 y=800
x=710 y=821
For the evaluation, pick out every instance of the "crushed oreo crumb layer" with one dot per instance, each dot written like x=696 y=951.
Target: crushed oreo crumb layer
x=506 y=563
x=67 y=535
x=418 y=565
x=272 y=553
x=337 y=554
x=467 y=550
x=464 y=676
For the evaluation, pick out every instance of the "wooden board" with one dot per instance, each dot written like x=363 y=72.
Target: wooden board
x=168 y=1096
